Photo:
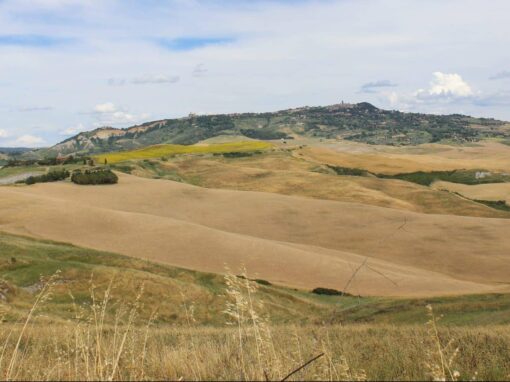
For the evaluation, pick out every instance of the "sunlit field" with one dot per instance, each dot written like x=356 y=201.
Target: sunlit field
x=159 y=151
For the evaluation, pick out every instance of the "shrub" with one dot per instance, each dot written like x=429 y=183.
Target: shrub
x=52 y=176
x=30 y=180
x=349 y=171
x=94 y=176
x=238 y=154
x=17 y=162
x=329 y=292
x=47 y=162
x=264 y=134
x=262 y=282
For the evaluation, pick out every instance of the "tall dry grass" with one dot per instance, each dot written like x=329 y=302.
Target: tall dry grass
x=93 y=346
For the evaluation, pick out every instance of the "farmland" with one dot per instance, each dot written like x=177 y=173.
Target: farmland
x=159 y=151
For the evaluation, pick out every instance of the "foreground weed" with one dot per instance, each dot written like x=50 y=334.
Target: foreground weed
x=440 y=357
x=108 y=340
x=13 y=369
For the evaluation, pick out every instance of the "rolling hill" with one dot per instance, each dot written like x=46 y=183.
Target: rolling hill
x=360 y=122
x=287 y=240
x=174 y=323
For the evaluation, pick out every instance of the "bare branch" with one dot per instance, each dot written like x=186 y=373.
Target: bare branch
x=302 y=367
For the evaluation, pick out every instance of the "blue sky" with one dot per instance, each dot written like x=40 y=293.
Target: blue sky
x=73 y=65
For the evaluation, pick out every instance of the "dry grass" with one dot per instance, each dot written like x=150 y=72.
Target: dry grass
x=299 y=242
x=280 y=172
x=489 y=155
x=90 y=348
x=377 y=352
x=493 y=191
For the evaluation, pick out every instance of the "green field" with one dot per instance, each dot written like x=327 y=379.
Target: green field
x=159 y=151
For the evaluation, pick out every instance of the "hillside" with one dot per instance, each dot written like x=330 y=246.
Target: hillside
x=289 y=240
x=308 y=171
x=360 y=122
x=174 y=323
x=24 y=262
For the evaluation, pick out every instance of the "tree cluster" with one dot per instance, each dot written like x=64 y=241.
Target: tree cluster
x=94 y=176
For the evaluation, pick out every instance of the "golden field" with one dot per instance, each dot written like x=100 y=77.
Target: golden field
x=302 y=242
x=495 y=192
x=489 y=155
x=290 y=173
x=159 y=151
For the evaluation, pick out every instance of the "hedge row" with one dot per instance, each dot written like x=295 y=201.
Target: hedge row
x=52 y=176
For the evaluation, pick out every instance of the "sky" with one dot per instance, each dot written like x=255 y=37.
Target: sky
x=73 y=65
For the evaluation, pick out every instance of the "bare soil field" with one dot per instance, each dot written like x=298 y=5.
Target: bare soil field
x=291 y=240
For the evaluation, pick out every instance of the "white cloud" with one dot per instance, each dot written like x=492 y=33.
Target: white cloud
x=122 y=117
x=109 y=114
x=3 y=133
x=73 y=130
x=444 y=89
x=445 y=86
x=29 y=141
x=447 y=93
x=107 y=107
